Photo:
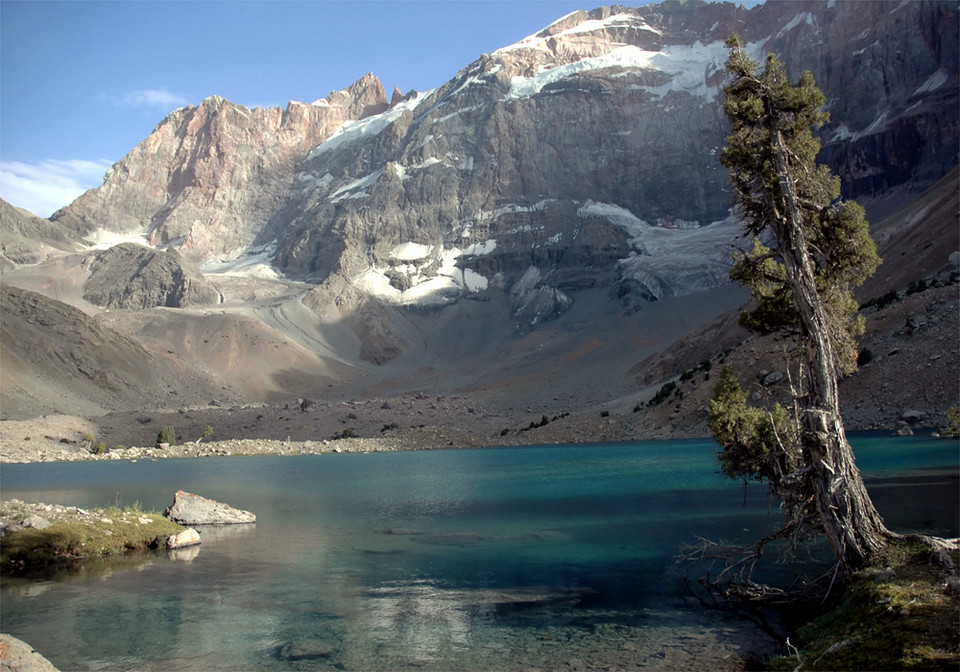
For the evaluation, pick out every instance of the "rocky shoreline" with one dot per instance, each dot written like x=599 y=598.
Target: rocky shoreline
x=232 y=447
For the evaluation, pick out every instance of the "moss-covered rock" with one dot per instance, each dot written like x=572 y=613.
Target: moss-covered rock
x=902 y=613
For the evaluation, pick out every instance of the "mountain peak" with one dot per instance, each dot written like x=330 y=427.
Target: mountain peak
x=364 y=98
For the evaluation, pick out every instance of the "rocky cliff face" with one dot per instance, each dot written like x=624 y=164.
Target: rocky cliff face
x=582 y=157
x=209 y=178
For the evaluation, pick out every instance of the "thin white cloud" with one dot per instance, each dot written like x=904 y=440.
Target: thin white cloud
x=45 y=187
x=153 y=99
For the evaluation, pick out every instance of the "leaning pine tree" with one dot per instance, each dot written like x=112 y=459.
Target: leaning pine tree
x=819 y=250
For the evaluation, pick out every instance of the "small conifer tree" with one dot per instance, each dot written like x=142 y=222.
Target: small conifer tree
x=167 y=435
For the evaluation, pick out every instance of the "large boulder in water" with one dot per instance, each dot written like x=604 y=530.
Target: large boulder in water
x=190 y=509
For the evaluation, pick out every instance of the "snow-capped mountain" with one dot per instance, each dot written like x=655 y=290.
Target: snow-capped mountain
x=584 y=155
x=559 y=204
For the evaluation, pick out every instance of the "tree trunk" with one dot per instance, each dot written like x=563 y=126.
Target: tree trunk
x=851 y=523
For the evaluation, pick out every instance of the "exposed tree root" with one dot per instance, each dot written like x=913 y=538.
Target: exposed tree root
x=729 y=568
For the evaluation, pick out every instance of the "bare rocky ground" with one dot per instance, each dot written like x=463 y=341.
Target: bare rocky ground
x=406 y=423
x=912 y=376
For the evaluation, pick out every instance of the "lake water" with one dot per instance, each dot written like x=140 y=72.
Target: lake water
x=503 y=558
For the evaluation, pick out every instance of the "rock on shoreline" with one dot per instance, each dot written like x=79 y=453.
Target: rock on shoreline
x=18 y=656
x=189 y=537
x=191 y=509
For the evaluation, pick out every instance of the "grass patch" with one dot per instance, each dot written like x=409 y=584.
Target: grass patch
x=127 y=530
x=906 y=622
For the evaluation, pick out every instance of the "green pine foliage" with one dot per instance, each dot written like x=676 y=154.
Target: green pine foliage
x=167 y=435
x=953 y=422
x=757 y=443
x=760 y=104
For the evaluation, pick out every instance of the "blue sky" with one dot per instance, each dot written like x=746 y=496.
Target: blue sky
x=82 y=83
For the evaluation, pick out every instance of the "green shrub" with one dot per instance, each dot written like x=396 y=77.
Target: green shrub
x=662 y=395
x=953 y=422
x=756 y=443
x=544 y=421
x=881 y=302
x=99 y=448
x=167 y=435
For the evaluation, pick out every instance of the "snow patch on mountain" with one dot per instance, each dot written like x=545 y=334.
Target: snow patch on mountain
x=540 y=40
x=352 y=131
x=616 y=215
x=433 y=276
x=357 y=188
x=690 y=67
x=805 y=17
x=101 y=239
x=411 y=251
x=934 y=81
x=511 y=209
x=480 y=249
x=843 y=133
x=254 y=264
x=309 y=180
x=670 y=261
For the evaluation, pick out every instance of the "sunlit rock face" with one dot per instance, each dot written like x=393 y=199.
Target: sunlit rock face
x=209 y=178
x=583 y=157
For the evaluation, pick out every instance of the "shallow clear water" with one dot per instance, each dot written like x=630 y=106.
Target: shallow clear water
x=502 y=558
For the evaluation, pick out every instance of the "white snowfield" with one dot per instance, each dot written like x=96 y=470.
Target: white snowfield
x=671 y=261
x=350 y=131
x=101 y=239
x=539 y=41
x=428 y=288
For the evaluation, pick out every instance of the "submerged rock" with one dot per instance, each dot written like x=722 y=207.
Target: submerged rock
x=903 y=430
x=190 y=509
x=306 y=650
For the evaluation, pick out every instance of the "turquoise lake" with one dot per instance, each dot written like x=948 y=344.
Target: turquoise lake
x=502 y=558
